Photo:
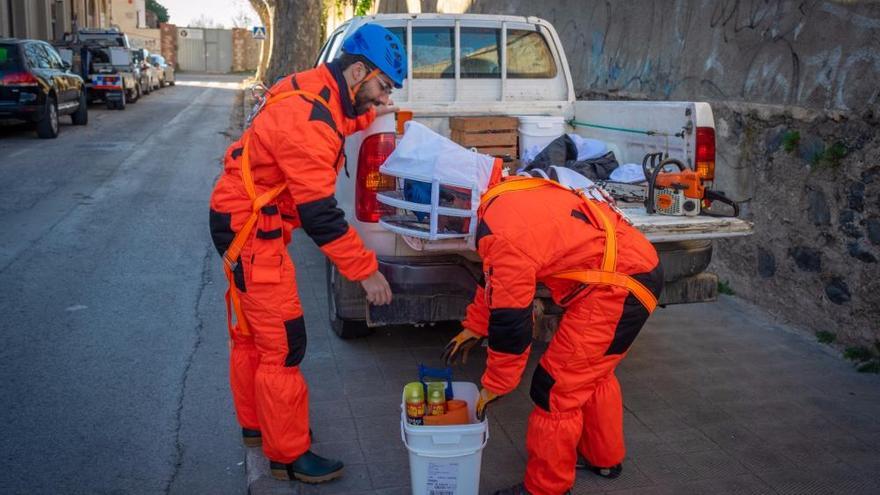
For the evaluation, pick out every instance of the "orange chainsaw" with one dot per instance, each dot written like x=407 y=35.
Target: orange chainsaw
x=679 y=193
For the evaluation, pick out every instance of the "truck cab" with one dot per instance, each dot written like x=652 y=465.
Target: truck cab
x=492 y=65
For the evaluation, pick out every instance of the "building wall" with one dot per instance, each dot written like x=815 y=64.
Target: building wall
x=129 y=15
x=168 y=42
x=245 y=50
x=151 y=39
x=5 y=19
x=130 y=18
x=50 y=19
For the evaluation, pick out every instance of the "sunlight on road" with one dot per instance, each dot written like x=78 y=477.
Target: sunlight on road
x=210 y=84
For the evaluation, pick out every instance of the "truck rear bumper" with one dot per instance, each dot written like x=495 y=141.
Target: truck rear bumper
x=436 y=289
x=433 y=289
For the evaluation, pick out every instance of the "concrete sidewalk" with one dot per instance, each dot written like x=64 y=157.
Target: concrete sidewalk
x=718 y=400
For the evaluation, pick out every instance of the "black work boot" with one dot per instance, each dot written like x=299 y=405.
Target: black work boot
x=308 y=468
x=251 y=438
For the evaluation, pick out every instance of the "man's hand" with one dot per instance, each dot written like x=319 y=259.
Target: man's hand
x=460 y=346
x=485 y=398
x=377 y=288
x=388 y=107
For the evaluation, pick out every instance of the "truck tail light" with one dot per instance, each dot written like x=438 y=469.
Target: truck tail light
x=19 y=79
x=705 y=156
x=374 y=150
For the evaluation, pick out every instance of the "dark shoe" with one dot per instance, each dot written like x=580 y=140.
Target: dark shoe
x=251 y=438
x=308 y=468
x=609 y=472
x=518 y=489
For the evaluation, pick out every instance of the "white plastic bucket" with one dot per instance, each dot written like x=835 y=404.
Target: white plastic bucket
x=446 y=459
x=536 y=132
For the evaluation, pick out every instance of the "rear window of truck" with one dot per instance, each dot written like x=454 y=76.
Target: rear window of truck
x=433 y=53
x=528 y=56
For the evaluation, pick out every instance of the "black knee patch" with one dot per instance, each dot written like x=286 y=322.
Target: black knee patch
x=542 y=383
x=296 y=341
x=634 y=313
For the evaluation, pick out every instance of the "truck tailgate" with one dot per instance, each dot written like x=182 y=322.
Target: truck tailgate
x=665 y=228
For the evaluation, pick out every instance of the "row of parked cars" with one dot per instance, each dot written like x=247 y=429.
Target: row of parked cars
x=39 y=82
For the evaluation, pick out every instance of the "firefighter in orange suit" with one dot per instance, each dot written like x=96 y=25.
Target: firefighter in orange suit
x=606 y=276
x=281 y=175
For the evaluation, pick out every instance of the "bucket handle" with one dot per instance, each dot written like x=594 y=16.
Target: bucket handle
x=433 y=454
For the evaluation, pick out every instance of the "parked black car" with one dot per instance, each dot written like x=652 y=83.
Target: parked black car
x=37 y=86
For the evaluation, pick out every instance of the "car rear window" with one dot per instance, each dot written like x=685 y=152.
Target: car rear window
x=9 y=58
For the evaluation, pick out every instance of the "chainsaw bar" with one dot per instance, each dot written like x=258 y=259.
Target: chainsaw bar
x=624 y=191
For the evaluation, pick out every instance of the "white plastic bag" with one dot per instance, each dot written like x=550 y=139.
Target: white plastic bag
x=628 y=172
x=587 y=148
x=440 y=187
x=424 y=155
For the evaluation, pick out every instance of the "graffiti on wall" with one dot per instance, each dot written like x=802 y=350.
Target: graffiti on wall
x=813 y=53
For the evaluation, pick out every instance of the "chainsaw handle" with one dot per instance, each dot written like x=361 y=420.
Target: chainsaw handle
x=652 y=179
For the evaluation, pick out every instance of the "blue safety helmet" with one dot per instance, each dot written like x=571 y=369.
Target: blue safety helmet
x=382 y=48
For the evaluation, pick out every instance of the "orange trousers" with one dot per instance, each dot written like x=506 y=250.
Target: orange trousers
x=578 y=403
x=268 y=390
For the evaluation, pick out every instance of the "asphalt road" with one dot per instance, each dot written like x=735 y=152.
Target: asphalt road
x=108 y=383
x=113 y=374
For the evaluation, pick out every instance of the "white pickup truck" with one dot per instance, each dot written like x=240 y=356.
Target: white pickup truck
x=492 y=65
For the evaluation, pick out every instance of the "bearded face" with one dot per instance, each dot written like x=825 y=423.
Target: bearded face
x=363 y=101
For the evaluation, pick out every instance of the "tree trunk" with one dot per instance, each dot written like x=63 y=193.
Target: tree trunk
x=297 y=31
x=262 y=9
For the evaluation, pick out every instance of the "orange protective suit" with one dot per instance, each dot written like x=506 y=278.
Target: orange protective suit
x=534 y=235
x=297 y=143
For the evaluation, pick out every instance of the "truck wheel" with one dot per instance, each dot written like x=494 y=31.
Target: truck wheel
x=120 y=105
x=342 y=327
x=47 y=126
x=81 y=116
x=136 y=93
x=684 y=259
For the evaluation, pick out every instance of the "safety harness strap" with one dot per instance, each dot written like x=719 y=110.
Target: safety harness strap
x=616 y=279
x=608 y=274
x=230 y=257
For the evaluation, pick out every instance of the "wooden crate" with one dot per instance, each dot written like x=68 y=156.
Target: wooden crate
x=483 y=124
x=496 y=136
